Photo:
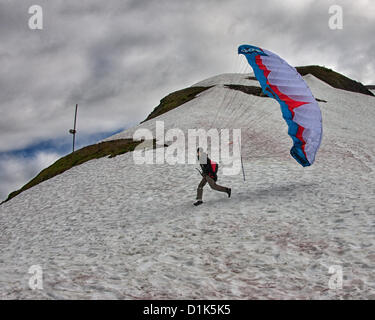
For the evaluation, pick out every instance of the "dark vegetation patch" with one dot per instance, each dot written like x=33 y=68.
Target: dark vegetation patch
x=253 y=90
x=334 y=79
x=174 y=100
x=103 y=149
x=321 y=100
x=371 y=87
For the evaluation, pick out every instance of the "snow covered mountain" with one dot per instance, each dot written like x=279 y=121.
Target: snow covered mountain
x=110 y=228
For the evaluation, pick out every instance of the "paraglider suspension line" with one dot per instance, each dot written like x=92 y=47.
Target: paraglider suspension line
x=243 y=170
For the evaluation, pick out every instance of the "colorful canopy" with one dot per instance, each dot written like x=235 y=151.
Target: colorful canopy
x=299 y=108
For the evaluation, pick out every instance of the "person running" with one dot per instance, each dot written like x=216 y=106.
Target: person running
x=209 y=174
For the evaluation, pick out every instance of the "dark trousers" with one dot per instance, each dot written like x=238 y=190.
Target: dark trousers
x=212 y=184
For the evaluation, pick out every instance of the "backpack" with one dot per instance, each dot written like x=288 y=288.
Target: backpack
x=214 y=169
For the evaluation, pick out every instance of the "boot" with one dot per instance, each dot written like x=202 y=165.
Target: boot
x=229 y=191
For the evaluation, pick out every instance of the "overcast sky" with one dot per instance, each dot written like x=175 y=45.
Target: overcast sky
x=118 y=58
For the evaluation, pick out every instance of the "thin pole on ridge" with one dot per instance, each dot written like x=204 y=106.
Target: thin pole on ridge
x=74 y=131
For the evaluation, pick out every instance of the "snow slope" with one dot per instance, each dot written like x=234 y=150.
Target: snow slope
x=112 y=229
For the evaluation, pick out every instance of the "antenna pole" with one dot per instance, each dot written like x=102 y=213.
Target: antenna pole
x=73 y=131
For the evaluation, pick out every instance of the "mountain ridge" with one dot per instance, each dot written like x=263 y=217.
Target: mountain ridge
x=180 y=97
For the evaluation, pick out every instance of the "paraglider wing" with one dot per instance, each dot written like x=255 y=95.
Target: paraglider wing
x=299 y=108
